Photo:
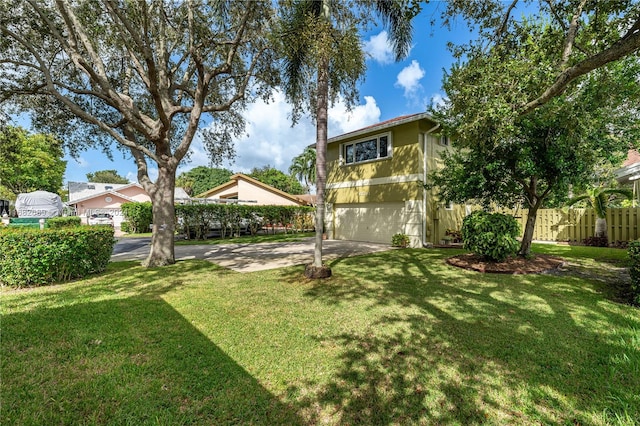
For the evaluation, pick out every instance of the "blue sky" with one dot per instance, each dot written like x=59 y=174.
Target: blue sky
x=388 y=90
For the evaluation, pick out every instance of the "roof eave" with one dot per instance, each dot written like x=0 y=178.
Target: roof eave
x=381 y=126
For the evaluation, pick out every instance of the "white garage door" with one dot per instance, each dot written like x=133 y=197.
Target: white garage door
x=378 y=222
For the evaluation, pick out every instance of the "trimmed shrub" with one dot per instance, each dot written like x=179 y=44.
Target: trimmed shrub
x=196 y=220
x=490 y=235
x=633 y=292
x=400 y=240
x=139 y=216
x=64 y=222
x=33 y=257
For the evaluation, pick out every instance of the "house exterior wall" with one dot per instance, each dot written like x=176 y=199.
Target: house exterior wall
x=386 y=196
x=136 y=193
x=247 y=191
x=104 y=204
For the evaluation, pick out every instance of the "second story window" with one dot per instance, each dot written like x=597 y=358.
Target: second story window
x=370 y=149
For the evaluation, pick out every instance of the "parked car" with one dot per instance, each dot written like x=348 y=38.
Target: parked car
x=100 y=219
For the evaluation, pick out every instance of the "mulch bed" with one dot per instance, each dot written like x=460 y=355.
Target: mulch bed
x=516 y=265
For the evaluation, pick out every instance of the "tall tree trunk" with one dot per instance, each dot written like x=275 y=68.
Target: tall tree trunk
x=601 y=228
x=317 y=269
x=321 y=155
x=162 y=240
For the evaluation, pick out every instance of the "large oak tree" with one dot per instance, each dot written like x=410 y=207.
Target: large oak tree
x=141 y=73
x=507 y=157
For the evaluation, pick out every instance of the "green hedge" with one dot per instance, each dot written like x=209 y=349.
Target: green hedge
x=64 y=222
x=491 y=235
x=31 y=257
x=195 y=220
x=138 y=216
x=633 y=292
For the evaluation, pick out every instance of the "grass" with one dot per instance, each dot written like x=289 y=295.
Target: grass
x=393 y=338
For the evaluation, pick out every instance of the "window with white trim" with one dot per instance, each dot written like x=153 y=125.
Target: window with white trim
x=444 y=141
x=370 y=149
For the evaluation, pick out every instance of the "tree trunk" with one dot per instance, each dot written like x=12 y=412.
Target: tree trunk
x=162 y=240
x=321 y=154
x=601 y=228
x=525 y=244
x=317 y=269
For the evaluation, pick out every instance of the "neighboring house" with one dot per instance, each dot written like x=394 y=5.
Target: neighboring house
x=375 y=182
x=247 y=190
x=92 y=198
x=629 y=173
x=79 y=190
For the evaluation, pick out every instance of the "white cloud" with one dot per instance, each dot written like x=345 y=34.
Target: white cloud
x=360 y=116
x=132 y=176
x=270 y=139
x=438 y=100
x=409 y=78
x=81 y=162
x=379 y=49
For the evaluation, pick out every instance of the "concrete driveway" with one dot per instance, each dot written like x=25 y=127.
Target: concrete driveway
x=251 y=257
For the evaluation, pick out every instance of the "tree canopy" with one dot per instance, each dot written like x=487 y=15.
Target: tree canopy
x=144 y=74
x=277 y=179
x=106 y=176
x=29 y=162
x=303 y=167
x=580 y=37
x=531 y=158
x=201 y=179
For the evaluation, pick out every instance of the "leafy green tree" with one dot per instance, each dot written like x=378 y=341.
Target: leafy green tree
x=30 y=162
x=303 y=167
x=201 y=179
x=599 y=199
x=323 y=58
x=537 y=156
x=580 y=37
x=143 y=74
x=277 y=179
x=106 y=176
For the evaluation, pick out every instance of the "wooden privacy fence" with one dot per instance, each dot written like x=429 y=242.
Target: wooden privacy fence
x=578 y=224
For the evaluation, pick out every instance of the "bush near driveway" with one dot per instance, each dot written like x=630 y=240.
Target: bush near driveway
x=33 y=257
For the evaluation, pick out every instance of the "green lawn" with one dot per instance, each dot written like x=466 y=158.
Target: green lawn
x=393 y=338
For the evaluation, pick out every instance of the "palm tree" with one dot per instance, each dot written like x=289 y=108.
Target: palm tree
x=598 y=198
x=320 y=38
x=303 y=167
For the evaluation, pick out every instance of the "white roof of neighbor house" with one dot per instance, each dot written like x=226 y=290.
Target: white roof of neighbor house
x=84 y=190
x=91 y=191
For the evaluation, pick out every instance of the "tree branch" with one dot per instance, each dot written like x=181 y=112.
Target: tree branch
x=621 y=48
x=571 y=36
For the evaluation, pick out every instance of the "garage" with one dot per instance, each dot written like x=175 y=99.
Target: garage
x=377 y=222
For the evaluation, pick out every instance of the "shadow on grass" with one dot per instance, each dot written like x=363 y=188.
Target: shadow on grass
x=131 y=360
x=453 y=346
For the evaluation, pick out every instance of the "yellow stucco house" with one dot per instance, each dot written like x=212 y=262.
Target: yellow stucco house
x=375 y=182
